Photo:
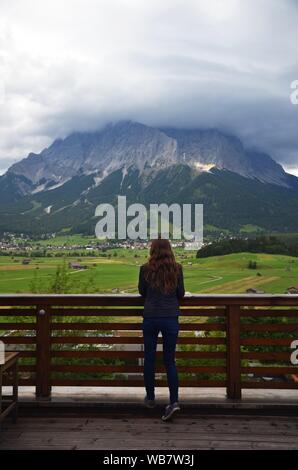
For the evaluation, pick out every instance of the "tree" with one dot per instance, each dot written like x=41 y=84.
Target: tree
x=62 y=283
x=252 y=265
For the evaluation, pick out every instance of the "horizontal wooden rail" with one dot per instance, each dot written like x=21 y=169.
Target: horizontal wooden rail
x=130 y=369
x=232 y=341
x=137 y=354
x=135 y=383
x=134 y=326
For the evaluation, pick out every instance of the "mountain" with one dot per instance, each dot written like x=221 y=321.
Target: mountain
x=130 y=144
x=60 y=187
x=206 y=148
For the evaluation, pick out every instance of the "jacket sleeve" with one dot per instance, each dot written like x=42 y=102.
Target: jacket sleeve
x=180 y=286
x=142 y=283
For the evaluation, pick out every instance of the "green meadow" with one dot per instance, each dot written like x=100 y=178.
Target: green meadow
x=119 y=273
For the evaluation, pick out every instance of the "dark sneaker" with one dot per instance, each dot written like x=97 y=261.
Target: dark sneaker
x=170 y=411
x=149 y=403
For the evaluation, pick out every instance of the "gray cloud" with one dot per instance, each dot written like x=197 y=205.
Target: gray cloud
x=75 y=65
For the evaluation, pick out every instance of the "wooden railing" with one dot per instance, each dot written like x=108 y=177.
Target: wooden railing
x=232 y=341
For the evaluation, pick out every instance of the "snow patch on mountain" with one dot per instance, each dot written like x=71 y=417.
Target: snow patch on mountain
x=48 y=209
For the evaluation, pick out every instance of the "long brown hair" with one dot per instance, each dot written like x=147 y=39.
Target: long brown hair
x=162 y=270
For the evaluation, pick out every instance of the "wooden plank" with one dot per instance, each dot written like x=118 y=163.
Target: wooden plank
x=10 y=355
x=17 y=326
x=27 y=353
x=43 y=352
x=18 y=339
x=186 y=425
x=267 y=356
x=266 y=341
x=133 y=383
x=271 y=327
x=132 y=368
x=139 y=433
x=23 y=382
x=15 y=390
x=136 y=354
x=123 y=312
x=44 y=300
x=120 y=416
x=104 y=340
x=96 y=312
x=7 y=410
x=134 y=326
x=278 y=370
x=233 y=352
x=241 y=299
x=271 y=384
x=136 y=300
x=268 y=313
x=203 y=312
x=27 y=368
x=17 y=312
x=139 y=340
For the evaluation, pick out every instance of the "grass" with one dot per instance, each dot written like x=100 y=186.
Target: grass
x=218 y=274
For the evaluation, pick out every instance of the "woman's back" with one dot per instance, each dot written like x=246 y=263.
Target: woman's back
x=161 y=281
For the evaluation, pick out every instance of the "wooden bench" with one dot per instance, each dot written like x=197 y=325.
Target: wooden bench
x=11 y=366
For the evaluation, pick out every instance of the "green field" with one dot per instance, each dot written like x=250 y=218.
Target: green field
x=219 y=274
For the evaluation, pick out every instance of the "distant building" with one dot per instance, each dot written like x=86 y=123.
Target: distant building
x=77 y=266
x=253 y=290
x=292 y=290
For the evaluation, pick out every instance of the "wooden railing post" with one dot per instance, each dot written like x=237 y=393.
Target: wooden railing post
x=43 y=352
x=233 y=352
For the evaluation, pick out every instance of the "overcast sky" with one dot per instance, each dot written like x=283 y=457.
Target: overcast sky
x=70 y=65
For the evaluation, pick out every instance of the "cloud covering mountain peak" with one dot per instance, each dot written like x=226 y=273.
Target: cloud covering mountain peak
x=128 y=144
x=68 y=66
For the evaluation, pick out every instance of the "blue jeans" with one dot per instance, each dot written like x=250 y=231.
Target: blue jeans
x=169 y=328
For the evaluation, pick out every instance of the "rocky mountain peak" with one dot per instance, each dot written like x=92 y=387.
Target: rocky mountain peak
x=129 y=144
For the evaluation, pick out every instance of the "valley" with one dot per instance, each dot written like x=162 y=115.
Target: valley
x=119 y=273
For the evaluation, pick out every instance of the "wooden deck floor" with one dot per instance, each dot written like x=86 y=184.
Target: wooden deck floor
x=125 y=431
